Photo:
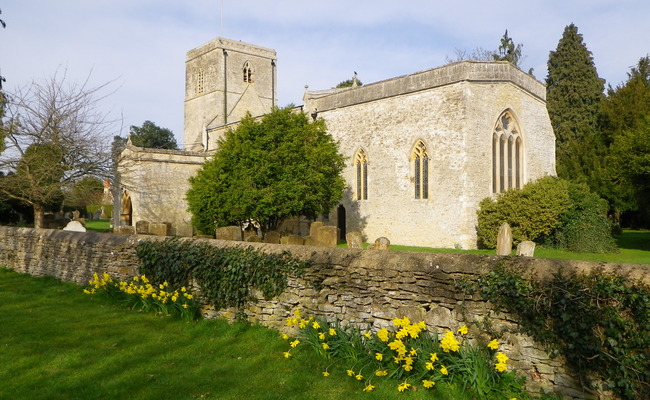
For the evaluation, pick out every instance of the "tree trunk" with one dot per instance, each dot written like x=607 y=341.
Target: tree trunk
x=39 y=216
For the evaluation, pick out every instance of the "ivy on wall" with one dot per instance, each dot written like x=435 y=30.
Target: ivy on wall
x=227 y=276
x=599 y=322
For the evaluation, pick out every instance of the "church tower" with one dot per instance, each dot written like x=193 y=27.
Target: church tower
x=224 y=79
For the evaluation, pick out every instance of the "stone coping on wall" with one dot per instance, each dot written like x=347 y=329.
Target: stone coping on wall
x=463 y=71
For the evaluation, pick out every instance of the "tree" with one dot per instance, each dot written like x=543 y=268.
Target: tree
x=56 y=136
x=87 y=191
x=152 y=136
x=624 y=118
x=268 y=170
x=508 y=51
x=574 y=93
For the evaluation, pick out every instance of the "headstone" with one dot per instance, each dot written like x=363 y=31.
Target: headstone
x=229 y=233
x=97 y=214
x=68 y=215
x=354 y=240
x=160 y=228
x=272 y=237
x=382 y=243
x=295 y=239
x=309 y=241
x=102 y=214
x=253 y=239
x=504 y=240
x=327 y=236
x=74 y=226
x=284 y=240
x=313 y=230
x=75 y=215
x=526 y=249
x=184 y=230
x=142 y=227
x=124 y=229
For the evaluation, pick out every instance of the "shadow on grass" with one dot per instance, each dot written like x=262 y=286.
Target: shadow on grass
x=634 y=240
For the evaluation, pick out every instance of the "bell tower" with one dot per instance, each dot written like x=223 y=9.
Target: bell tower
x=224 y=79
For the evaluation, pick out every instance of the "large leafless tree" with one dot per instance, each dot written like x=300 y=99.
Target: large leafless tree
x=55 y=135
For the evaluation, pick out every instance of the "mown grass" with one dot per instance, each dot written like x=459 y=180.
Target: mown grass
x=634 y=248
x=58 y=343
x=98 y=225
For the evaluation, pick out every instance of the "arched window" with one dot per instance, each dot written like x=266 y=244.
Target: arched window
x=248 y=73
x=507 y=154
x=420 y=159
x=361 y=164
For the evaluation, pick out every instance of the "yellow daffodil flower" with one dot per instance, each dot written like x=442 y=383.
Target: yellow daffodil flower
x=494 y=344
x=463 y=330
x=368 y=388
x=427 y=383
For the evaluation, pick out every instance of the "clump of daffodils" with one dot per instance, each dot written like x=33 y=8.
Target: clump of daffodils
x=139 y=293
x=407 y=354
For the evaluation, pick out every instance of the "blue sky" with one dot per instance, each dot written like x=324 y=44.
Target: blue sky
x=140 y=45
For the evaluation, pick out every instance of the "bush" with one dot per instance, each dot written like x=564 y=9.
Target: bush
x=532 y=212
x=550 y=210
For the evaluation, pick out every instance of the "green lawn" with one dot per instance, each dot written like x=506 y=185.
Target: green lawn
x=58 y=343
x=98 y=225
x=634 y=247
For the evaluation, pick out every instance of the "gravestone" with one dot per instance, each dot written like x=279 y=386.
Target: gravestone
x=229 y=233
x=309 y=241
x=272 y=237
x=97 y=214
x=75 y=215
x=160 y=228
x=313 y=230
x=504 y=240
x=327 y=236
x=253 y=239
x=184 y=230
x=142 y=227
x=354 y=240
x=295 y=239
x=74 y=226
x=102 y=214
x=526 y=249
x=382 y=243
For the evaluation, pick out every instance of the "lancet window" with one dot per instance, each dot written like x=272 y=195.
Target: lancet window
x=248 y=73
x=507 y=154
x=420 y=159
x=361 y=165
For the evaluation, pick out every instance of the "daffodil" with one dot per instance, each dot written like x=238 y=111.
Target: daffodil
x=350 y=372
x=358 y=377
x=294 y=343
x=403 y=386
x=427 y=383
x=315 y=325
x=494 y=344
x=332 y=332
x=434 y=357
x=285 y=336
x=463 y=330
x=500 y=367
x=501 y=358
x=368 y=388
x=443 y=370
x=383 y=335
x=379 y=356
x=326 y=374
x=381 y=372
x=287 y=354
x=321 y=335
x=325 y=346
x=429 y=366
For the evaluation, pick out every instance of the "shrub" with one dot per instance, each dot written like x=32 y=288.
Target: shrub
x=551 y=211
x=584 y=226
x=532 y=212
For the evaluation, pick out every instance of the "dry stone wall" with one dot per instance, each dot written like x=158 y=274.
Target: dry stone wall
x=361 y=287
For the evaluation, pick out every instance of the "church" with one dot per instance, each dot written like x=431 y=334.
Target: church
x=422 y=149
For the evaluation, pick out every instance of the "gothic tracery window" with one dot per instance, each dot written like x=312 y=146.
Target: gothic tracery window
x=507 y=154
x=421 y=170
x=248 y=73
x=361 y=164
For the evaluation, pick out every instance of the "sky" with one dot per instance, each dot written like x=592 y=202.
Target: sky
x=138 y=47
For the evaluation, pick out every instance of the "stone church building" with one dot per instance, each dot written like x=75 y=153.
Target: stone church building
x=422 y=149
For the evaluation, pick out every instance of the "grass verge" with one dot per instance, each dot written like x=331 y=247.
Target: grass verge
x=58 y=343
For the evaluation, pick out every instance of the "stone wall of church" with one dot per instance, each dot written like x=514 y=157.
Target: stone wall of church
x=453 y=110
x=157 y=180
x=368 y=288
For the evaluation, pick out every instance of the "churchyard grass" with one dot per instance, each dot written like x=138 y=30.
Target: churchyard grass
x=58 y=343
x=98 y=225
x=634 y=248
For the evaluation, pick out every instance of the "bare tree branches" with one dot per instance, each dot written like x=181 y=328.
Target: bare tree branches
x=56 y=135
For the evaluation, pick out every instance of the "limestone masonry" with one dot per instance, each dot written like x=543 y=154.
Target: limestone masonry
x=422 y=149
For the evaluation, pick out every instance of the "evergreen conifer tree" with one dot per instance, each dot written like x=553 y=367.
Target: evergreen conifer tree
x=574 y=93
